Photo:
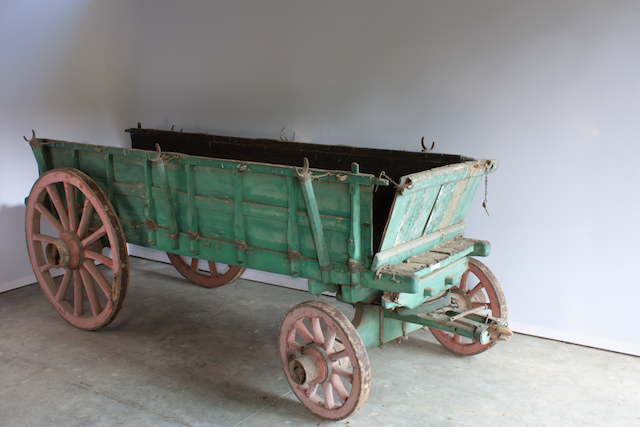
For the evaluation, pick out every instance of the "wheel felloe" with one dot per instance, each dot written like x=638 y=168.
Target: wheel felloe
x=67 y=216
x=324 y=360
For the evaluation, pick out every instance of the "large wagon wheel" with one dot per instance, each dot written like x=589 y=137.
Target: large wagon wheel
x=482 y=289
x=208 y=279
x=80 y=218
x=324 y=360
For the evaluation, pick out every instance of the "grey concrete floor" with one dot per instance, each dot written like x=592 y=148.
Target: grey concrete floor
x=181 y=355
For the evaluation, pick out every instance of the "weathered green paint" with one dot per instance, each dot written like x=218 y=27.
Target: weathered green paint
x=422 y=244
x=431 y=284
x=169 y=207
x=212 y=207
x=261 y=216
x=192 y=219
x=367 y=323
x=355 y=236
x=429 y=201
x=149 y=205
x=315 y=287
x=239 y=230
x=293 y=237
x=316 y=228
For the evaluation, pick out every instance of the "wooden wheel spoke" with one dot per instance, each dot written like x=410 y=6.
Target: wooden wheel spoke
x=50 y=217
x=45 y=267
x=329 y=341
x=312 y=390
x=475 y=290
x=343 y=373
x=57 y=203
x=318 y=337
x=90 y=287
x=458 y=339
x=64 y=285
x=105 y=260
x=463 y=281
x=336 y=382
x=94 y=236
x=70 y=193
x=193 y=267
x=87 y=212
x=304 y=332
x=213 y=269
x=327 y=389
x=43 y=238
x=78 y=294
x=98 y=277
x=295 y=345
x=337 y=356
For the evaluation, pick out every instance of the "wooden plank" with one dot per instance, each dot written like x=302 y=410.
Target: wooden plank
x=417 y=213
x=454 y=199
x=293 y=237
x=110 y=192
x=399 y=253
x=440 y=207
x=192 y=216
x=466 y=199
x=324 y=262
x=170 y=210
x=355 y=236
x=446 y=174
x=238 y=223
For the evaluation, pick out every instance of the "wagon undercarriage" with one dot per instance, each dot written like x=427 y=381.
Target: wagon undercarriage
x=397 y=254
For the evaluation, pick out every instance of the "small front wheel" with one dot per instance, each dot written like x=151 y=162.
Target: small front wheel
x=324 y=360
x=478 y=287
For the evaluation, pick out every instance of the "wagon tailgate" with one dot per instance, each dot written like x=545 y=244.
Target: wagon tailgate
x=429 y=208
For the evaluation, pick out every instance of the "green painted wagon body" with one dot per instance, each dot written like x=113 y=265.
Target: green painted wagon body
x=391 y=242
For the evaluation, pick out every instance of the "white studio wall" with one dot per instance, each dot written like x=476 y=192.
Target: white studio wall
x=549 y=88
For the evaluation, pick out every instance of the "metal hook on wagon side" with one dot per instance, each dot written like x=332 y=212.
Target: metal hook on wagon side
x=158 y=158
x=425 y=149
x=284 y=138
x=305 y=175
x=31 y=141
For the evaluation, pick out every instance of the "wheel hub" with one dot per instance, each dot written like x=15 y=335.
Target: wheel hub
x=65 y=252
x=313 y=365
x=461 y=298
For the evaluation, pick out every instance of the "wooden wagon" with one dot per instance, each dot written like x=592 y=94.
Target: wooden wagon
x=388 y=240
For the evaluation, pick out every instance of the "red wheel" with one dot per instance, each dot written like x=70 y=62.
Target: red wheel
x=79 y=219
x=324 y=360
x=209 y=279
x=481 y=289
